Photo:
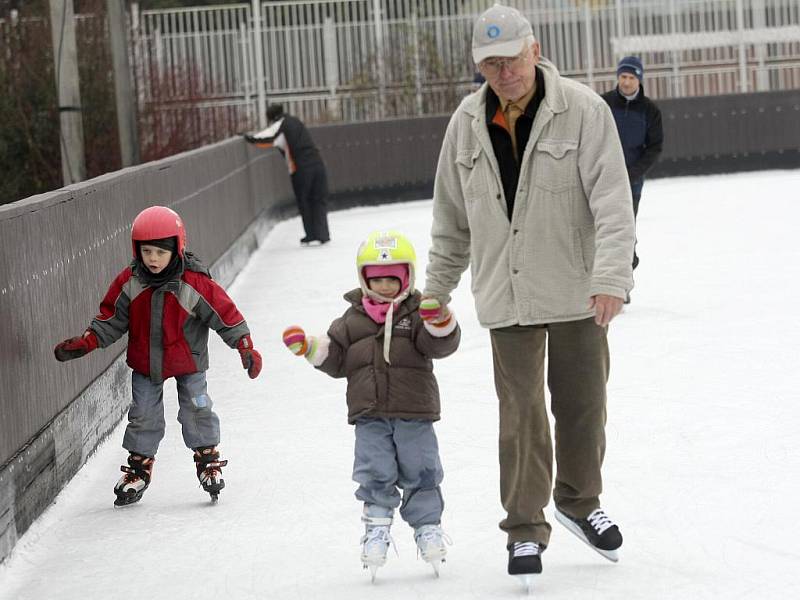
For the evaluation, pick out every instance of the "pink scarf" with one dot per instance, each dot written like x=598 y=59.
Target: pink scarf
x=376 y=310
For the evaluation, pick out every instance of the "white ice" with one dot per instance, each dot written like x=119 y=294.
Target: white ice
x=703 y=436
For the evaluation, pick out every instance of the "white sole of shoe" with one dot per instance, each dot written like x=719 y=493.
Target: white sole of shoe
x=612 y=555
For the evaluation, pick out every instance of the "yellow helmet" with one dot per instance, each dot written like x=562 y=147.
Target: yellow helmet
x=383 y=248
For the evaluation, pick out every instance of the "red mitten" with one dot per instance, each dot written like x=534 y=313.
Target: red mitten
x=76 y=347
x=251 y=359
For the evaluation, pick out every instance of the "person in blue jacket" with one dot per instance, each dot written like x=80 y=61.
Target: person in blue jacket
x=639 y=125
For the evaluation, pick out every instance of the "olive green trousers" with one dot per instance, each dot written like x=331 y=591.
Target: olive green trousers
x=577 y=372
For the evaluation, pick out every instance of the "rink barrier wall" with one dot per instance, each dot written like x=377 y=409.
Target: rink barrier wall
x=728 y=134
x=59 y=251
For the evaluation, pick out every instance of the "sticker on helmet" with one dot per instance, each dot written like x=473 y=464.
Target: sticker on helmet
x=386 y=241
x=384 y=255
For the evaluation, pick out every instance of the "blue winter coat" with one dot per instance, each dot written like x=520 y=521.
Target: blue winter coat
x=639 y=126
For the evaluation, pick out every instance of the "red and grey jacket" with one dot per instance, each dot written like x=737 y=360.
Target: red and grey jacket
x=168 y=326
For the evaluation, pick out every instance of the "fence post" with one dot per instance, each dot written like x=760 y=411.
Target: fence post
x=759 y=22
x=417 y=67
x=126 y=111
x=140 y=69
x=620 y=25
x=245 y=50
x=742 y=48
x=330 y=46
x=260 y=82
x=379 y=63
x=587 y=21
x=65 y=55
x=677 y=87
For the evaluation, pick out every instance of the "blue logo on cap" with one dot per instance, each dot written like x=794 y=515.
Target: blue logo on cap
x=493 y=31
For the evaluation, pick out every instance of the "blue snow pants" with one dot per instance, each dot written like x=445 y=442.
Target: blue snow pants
x=200 y=424
x=404 y=454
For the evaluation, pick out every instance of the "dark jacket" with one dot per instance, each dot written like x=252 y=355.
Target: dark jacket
x=297 y=143
x=404 y=389
x=639 y=126
x=168 y=326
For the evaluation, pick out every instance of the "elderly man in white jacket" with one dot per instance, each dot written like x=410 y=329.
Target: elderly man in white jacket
x=531 y=192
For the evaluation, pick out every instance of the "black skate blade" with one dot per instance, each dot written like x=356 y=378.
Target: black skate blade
x=214 y=488
x=124 y=500
x=611 y=555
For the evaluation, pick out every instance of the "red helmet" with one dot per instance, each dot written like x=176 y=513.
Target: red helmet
x=158 y=222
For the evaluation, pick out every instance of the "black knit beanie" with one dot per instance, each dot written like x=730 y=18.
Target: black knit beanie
x=168 y=243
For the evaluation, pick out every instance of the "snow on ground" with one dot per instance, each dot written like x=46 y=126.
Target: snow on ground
x=703 y=434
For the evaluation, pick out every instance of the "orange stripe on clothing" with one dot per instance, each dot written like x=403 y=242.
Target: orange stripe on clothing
x=500 y=119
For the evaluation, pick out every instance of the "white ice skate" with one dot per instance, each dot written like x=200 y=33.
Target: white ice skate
x=431 y=547
x=375 y=543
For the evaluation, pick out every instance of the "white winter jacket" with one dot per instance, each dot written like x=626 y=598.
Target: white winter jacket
x=571 y=234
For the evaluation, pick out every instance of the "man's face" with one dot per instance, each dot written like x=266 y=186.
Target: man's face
x=512 y=77
x=628 y=84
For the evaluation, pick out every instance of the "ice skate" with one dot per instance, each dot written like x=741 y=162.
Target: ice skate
x=525 y=562
x=131 y=486
x=209 y=470
x=431 y=547
x=597 y=531
x=375 y=543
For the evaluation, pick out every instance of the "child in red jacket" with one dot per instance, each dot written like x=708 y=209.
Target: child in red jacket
x=166 y=301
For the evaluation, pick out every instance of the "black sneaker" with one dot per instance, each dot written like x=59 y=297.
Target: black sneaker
x=597 y=530
x=524 y=558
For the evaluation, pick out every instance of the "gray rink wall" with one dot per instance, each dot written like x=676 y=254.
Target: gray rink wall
x=60 y=251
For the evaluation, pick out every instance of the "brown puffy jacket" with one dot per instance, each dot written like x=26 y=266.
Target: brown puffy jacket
x=404 y=389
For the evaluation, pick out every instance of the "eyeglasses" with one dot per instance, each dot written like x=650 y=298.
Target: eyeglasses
x=491 y=67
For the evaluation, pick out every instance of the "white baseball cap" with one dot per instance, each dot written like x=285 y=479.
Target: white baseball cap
x=500 y=31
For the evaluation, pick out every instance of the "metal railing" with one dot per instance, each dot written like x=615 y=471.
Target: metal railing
x=333 y=60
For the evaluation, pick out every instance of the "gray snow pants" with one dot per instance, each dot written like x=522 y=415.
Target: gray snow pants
x=146 y=415
x=399 y=453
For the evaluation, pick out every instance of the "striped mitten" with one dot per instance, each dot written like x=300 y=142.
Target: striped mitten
x=298 y=342
x=433 y=312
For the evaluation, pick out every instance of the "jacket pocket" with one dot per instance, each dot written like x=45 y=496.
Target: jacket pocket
x=556 y=164
x=471 y=174
x=583 y=249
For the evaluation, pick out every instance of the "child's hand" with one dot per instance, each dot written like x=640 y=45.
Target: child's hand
x=432 y=311
x=76 y=347
x=251 y=359
x=298 y=343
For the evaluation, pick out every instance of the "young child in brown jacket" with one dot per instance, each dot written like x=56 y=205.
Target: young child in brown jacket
x=384 y=345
